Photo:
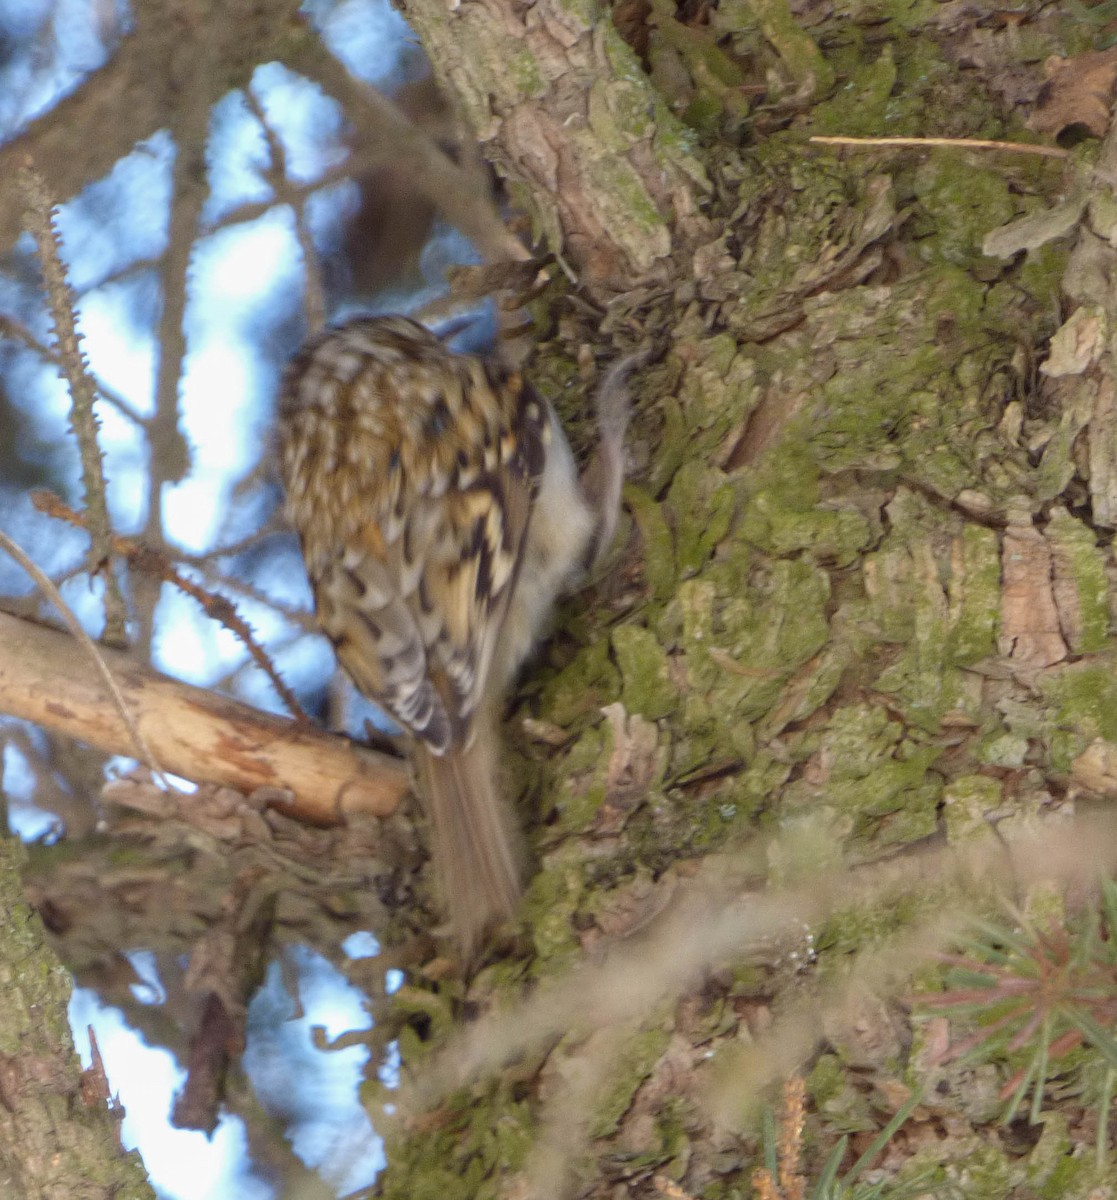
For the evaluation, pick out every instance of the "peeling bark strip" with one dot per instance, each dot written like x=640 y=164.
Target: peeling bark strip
x=1030 y=630
x=563 y=109
x=193 y=733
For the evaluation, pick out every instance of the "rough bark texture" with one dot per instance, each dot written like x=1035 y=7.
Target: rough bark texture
x=863 y=604
x=865 y=607
x=562 y=108
x=58 y=1138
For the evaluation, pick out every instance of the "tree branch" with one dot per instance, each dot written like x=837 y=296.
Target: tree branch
x=382 y=131
x=192 y=733
x=140 y=90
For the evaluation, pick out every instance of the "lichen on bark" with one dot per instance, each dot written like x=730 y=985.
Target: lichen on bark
x=823 y=645
x=59 y=1138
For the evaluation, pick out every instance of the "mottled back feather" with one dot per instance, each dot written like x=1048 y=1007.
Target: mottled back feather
x=411 y=473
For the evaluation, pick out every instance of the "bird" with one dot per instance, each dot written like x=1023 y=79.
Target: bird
x=440 y=515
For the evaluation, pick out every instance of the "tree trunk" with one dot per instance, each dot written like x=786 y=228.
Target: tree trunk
x=561 y=107
x=863 y=607
x=59 y=1137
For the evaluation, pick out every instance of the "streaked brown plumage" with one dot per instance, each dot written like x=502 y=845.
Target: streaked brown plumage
x=440 y=514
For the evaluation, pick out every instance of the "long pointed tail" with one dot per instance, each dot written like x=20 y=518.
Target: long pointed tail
x=475 y=848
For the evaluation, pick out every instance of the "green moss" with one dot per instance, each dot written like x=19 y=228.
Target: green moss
x=1084 y=699
x=524 y=73
x=877 y=777
x=970 y=802
x=1001 y=749
x=755 y=785
x=782 y=514
x=549 y=907
x=976 y=596
x=581 y=790
x=859 y=106
x=646 y=684
x=853 y=928
x=1055 y=1170
x=961 y=202
x=701 y=504
x=934 y=589
x=931 y=408
x=582 y=688
x=633 y=1065
x=673 y=1123
x=718 y=390
x=808 y=690
x=636 y=222
x=1041 y=273
x=1080 y=563
x=811 y=217
x=849 y=1109
x=468 y=1155
x=743 y=639
x=659 y=545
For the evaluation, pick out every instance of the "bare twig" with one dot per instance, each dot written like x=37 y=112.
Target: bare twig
x=955 y=143
x=169 y=452
x=9 y=327
x=314 y=298
x=452 y=190
x=40 y=222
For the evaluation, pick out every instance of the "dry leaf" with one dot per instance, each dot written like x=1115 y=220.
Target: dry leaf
x=632 y=762
x=1077 y=344
x=1036 y=229
x=1079 y=91
x=1095 y=769
x=1103 y=453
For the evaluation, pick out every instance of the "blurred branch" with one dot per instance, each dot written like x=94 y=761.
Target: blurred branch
x=713 y=922
x=314 y=298
x=9 y=327
x=385 y=132
x=194 y=733
x=227 y=965
x=140 y=90
x=217 y=607
x=169 y=454
x=39 y=218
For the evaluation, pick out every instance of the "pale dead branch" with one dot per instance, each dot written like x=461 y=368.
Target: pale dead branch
x=193 y=733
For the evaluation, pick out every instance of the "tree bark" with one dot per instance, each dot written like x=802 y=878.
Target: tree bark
x=562 y=108
x=59 y=1138
x=863 y=603
x=864 y=607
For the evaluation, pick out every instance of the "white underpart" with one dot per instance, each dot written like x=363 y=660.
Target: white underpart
x=559 y=533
